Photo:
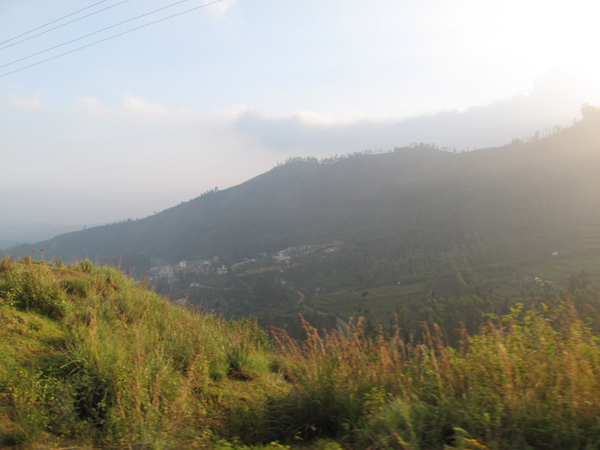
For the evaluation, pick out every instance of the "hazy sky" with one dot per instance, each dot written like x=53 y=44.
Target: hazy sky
x=218 y=95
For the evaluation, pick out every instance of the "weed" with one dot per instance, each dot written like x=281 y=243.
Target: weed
x=6 y=265
x=86 y=266
x=33 y=290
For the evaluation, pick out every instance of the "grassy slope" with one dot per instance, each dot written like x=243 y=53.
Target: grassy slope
x=91 y=360
x=114 y=364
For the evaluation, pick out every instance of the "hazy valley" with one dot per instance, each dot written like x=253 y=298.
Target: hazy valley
x=252 y=225
x=383 y=232
x=411 y=299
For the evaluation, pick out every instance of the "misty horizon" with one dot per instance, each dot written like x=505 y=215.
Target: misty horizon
x=138 y=124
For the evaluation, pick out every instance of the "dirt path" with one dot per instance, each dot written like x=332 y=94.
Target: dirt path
x=196 y=284
x=343 y=326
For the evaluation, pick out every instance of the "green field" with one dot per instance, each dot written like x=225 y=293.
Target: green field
x=345 y=304
x=559 y=268
x=507 y=283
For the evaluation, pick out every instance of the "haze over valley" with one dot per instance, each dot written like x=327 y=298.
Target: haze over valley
x=141 y=122
x=421 y=222
x=334 y=225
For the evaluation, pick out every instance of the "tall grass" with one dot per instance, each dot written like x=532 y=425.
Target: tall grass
x=90 y=357
x=132 y=368
x=527 y=380
x=34 y=290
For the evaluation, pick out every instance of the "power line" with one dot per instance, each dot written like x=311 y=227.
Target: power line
x=60 y=26
x=93 y=33
x=50 y=23
x=108 y=38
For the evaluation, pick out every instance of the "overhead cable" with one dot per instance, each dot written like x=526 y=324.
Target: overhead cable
x=50 y=23
x=95 y=32
x=108 y=38
x=63 y=25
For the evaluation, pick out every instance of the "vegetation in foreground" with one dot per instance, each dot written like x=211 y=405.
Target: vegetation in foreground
x=89 y=359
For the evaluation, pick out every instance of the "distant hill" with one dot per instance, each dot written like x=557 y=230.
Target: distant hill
x=536 y=196
x=12 y=234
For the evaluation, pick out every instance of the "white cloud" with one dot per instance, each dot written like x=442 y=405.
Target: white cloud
x=218 y=10
x=31 y=104
x=552 y=100
x=110 y=163
x=106 y=164
x=90 y=105
x=313 y=118
x=139 y=105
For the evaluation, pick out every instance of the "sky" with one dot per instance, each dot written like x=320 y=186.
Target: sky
x=151 y=117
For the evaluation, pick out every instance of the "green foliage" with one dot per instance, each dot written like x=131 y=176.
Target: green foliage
x=130 y=368
x=527 y=380
x=42 y=403
x=121 y=367
x=86 y=266
x=33 y=291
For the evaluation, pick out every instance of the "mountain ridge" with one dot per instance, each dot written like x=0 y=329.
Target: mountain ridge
x=414 y=199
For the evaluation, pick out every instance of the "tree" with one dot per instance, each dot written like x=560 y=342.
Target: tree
x=588 y=110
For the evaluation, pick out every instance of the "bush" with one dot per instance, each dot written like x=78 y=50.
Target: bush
x=33 y=291
x=42 y=403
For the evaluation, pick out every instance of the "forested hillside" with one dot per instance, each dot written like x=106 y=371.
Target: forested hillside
x=417 y=232
x=498 y=203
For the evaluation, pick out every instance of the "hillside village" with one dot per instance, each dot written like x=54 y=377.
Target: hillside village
x=192 y=271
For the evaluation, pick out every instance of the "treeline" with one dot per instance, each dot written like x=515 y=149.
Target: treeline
x=456 y=315
x=494 y=205
x=337 y=158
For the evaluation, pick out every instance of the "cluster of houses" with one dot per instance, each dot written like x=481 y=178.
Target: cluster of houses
x=523 y=279
x=200 y=268
x=286 y=255
x=207 y=267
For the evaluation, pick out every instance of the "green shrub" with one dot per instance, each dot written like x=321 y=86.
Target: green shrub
x=33 y=291
x=86 y=266
x=6 y=265
x=42 y=403
x=79 y=286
